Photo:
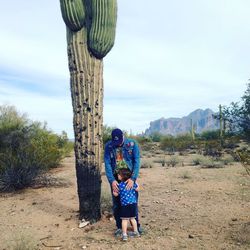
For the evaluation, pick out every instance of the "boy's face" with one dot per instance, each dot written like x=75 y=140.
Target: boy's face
x=119 y=177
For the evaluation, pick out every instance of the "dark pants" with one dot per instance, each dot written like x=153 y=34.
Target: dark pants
x=117 y=210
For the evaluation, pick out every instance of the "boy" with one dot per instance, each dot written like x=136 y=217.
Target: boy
x=128 y=198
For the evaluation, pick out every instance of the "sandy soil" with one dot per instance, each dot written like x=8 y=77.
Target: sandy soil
x=184 y=207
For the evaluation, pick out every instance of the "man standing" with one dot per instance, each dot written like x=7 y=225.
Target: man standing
x=121 y=152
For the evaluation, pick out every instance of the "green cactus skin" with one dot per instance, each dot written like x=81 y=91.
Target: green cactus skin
x=90 y=26
x=221 y=121
x=192 y=130
x=101 y=35
x=73 y=14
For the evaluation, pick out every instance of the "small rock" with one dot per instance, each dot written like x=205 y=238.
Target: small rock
x=234 y=219
x=57 y=224
x=84 y=247
x=190 y=236
x=34 y=203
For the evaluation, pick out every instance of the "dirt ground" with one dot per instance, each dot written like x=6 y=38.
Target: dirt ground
x=183 y=207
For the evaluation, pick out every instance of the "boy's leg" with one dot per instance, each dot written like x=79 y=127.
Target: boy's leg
x=124 y=226
x=134 y=224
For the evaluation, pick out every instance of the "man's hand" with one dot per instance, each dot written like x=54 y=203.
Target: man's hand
x=130 y=184
x=115 y=186
x=115 y=193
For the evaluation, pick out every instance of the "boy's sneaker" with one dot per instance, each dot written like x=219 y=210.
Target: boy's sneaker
x=134 y=234
x=124 y=237
x=118 y=232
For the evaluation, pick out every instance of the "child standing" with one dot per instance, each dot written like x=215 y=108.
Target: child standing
x=128 y=203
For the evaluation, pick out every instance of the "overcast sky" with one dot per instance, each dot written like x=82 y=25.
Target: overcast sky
x=169 y=58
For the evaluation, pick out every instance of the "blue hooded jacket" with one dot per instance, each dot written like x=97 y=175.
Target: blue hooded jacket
x=131 y=155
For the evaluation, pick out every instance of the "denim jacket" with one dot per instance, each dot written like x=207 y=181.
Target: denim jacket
x=131 y=155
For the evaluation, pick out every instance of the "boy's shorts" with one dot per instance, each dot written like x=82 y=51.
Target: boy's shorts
x=128 y=211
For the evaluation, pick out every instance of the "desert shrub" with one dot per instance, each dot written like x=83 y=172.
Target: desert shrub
x=26 y=149
x=211 y=163
x=227 y=160
x=243 y=156
x=178 y=143
x=185 y=175
x=21 y=241
x=168 y=143
x=197 y=161
x=156 y=137
x=213 y=148
x=172 y=162
x=210 y=135
x=146 y=164
x=162 y=161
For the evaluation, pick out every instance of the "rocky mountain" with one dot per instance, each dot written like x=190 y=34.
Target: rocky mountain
x=202 y=120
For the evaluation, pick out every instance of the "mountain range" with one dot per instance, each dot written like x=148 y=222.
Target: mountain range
x=202 y=120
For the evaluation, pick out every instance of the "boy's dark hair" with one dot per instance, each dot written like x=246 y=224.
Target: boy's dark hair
x=125 y=173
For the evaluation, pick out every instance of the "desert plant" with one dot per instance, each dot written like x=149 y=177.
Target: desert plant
x=185 y=175
x=197 y=161
x=90 y=29
x=172 y=161
x=146 y=164
x=26 y=149
x=211 y=163
x=213 y=148
x=243 y=156
x=22 y=241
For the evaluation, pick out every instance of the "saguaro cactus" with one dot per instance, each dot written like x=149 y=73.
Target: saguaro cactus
x=90 y=28
x=192 y=132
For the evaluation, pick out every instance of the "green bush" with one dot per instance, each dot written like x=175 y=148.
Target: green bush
x=172 y=162
x=26 y=149
x=210 y=135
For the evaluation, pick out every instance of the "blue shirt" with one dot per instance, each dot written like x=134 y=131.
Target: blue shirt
x=127 y=196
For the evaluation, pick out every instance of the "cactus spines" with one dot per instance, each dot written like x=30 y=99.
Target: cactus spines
x=73 y=14
x=90 y=36
x=101 y=35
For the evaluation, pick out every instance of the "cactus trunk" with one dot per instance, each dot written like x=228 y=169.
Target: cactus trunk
x=90 y=36
x=86 y=84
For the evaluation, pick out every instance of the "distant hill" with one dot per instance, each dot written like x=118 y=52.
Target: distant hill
x=202 y=120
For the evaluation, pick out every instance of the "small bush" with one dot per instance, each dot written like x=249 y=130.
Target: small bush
x=227 y=160
x=146 y=164
x=197 y=161
x=210 y=163
x=185 y=175
x=173 y=161
x=213 y=149
x=22 y=242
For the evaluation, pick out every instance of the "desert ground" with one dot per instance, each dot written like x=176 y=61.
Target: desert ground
x=181 y=207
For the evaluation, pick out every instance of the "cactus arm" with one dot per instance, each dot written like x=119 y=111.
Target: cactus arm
x=73 y=14
x=101 y=35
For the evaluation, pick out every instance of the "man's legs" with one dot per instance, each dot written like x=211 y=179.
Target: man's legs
x=137 y=216
x=116 y=211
